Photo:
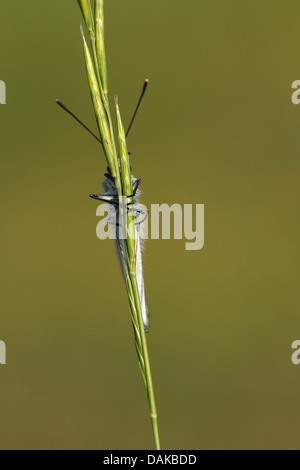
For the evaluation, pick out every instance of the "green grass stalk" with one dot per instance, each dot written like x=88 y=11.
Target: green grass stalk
x=119 y=165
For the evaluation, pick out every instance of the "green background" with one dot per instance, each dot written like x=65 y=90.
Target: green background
x=217 y=127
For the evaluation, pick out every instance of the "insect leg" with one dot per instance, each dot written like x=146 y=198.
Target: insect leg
x=140 y=212
x=135 y=187
x=109 y=198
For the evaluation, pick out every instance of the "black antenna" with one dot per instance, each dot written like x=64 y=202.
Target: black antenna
x=78 y=120
x=146 y=82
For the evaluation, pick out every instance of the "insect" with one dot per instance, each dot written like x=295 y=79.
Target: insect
x=110 y=196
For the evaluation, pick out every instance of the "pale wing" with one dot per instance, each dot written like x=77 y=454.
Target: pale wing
x=140 y=274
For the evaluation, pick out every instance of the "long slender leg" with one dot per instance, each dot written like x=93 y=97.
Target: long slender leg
x=135 y=187
x=109 y=198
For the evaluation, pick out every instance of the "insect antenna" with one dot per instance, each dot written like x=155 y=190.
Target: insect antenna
x=146 y=82
x=92 y=133
x=77 y=119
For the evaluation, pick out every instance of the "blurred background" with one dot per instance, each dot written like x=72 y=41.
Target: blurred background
x=217 y=127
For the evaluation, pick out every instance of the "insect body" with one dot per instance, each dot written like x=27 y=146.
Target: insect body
x=110 y=196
